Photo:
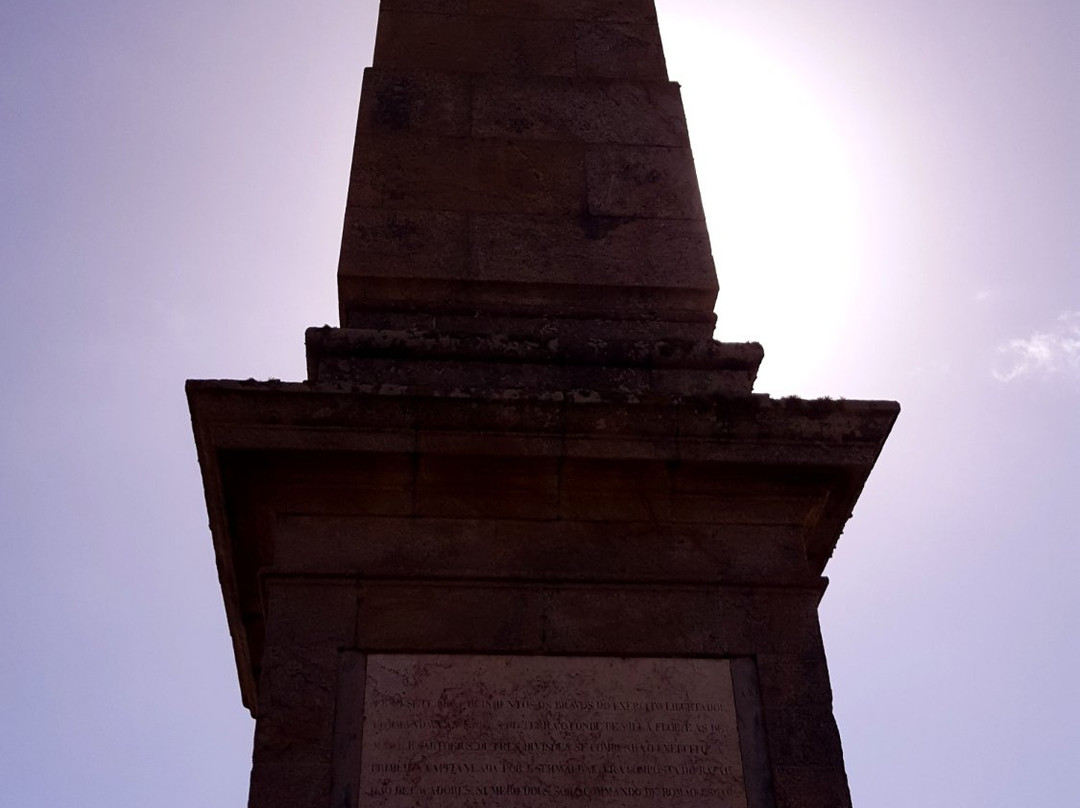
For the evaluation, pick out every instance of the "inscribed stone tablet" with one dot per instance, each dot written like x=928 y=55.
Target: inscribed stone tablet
x=465 y=731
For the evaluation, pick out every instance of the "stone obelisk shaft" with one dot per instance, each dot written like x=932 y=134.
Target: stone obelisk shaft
x=521 y=162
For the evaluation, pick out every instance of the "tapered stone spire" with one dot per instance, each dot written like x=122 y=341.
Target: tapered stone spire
x=524 y=162
x=524 y=535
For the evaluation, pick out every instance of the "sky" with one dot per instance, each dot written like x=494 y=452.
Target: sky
x=893 y=191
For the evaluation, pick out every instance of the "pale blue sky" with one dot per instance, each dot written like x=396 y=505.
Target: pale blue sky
x=172 y=181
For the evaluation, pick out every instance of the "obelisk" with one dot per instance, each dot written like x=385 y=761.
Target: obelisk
x=525 y=536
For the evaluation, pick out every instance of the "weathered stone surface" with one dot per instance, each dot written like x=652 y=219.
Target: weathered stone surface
x=372 y=484
x=457 y=174
x=803 y=735
x=619 y=50
x=293 y=777
x=642 y=181
x=450 y=618
x=475 y=44
x=565 y=321
x=811 y=787
x=671 y=258
x=493 y=487
x=354 y=536
x=794 y=679
x=597 y=251
x=633 y=11
x=381 y=242
x=307 y=622
x=600 y=10
x=543 y=730
x=626 y=112
x=585 y=383
x=426 y=6
x=666 y=621
x=414 y=101
x=604 y=491
x=533 y=346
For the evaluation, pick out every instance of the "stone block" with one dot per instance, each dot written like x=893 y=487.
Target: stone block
x=599 y=251
x=414 y=101
x=631 y=621
x=309 y=614
x=701 y=494
x=426 y=6
x=620 y=51
x=633 y=113
x=769 y=552
x=492 y=487
x=654 y=182
x=805 y=735
x=793 y=621
x=523 y=417
x=736 y=508
x=385 y=243
x=605 y=10
x=307 y=623
x=612 y=490
x=811 y=787
x=743 y=620
x=619 y=447
x=605 y=325
x=449 y=618
x=474 y=44
x=625 y=421
x=789 y=680
x=288 y=777
x=529 y=550
x=494 y=445
x=459 y=174
x=366 y=484
x=297 y=693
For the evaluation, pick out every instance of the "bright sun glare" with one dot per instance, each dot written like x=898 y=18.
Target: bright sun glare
x=780 y=193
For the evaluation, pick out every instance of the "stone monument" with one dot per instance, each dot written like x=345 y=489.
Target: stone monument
x=525 y=536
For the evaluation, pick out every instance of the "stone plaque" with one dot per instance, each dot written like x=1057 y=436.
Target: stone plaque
x=468 y=731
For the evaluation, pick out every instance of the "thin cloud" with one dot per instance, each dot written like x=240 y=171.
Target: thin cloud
x=1044 y=353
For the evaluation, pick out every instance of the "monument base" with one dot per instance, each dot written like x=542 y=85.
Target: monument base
x=381 y=554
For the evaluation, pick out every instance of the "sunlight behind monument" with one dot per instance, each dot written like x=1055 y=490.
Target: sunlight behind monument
x=525 y=535
x=781 y=195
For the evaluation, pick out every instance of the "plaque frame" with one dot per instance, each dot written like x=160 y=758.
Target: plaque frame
x=350 y=697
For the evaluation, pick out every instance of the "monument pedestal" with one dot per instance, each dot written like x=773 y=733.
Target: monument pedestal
x=525 y=536
x=352 y=526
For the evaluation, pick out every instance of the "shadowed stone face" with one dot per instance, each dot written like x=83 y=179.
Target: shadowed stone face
x=534 y=148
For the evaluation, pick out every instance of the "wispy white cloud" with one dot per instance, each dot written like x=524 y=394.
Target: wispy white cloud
x=1044 y=353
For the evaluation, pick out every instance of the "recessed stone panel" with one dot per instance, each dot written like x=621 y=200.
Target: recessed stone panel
x=465 y=730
